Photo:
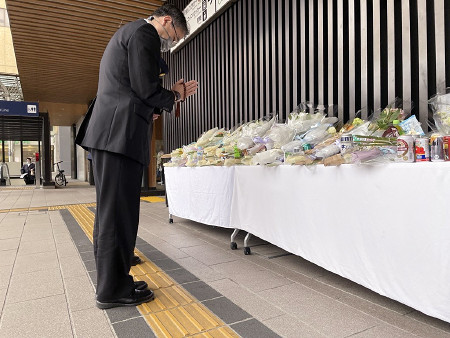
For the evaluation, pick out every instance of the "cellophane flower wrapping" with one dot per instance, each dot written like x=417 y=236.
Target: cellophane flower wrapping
x=440 y=106
x=383 y=118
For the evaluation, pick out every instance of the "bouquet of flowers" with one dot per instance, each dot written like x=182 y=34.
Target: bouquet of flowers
x=440 y=105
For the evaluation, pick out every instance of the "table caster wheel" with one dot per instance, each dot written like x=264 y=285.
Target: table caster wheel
x=247 y=251
x=170 y=220
x=233 y=245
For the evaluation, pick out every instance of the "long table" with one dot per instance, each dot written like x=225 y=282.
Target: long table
x=385 y=227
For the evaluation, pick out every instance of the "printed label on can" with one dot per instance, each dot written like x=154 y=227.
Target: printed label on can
x=446 y=147
x=405 y=148
x=437 y=149
x=422 y=149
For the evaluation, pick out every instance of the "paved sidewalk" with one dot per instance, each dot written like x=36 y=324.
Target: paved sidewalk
x=46 y=291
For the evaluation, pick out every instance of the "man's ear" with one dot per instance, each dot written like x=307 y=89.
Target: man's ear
x=167 y=19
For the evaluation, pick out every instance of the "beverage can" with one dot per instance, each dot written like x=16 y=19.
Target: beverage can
x=307 y=146
x=437 y=149
x=346 y=143
x=446 y=147
x=422 y=149
x=405 y=148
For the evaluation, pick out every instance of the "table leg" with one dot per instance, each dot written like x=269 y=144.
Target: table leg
x=247 y=250
x=233 y=244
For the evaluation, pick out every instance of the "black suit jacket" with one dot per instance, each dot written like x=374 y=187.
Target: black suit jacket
x=129 y=90
x=27 y=168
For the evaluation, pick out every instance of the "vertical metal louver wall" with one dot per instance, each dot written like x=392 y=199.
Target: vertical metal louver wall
x=267 y=56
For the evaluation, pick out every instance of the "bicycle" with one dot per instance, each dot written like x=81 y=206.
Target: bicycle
x=60 y=178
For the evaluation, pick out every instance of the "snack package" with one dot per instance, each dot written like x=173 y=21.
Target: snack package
x=411 y=126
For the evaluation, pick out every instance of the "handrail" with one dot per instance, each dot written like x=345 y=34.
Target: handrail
x=2 y=166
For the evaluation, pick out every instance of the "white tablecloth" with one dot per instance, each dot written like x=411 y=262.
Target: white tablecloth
x=386 y=227
x=201 y=194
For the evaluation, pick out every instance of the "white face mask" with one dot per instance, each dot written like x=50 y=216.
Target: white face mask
x=166 y=44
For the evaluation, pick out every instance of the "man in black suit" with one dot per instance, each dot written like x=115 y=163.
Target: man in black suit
x=28 y=171
x=116 y=132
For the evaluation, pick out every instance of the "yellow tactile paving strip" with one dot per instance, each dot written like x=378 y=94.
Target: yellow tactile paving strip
x=174 y=312
x=16 y=188
x=44 y=208
x=153 y=199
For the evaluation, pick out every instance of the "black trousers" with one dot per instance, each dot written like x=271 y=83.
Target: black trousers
x=118 y=185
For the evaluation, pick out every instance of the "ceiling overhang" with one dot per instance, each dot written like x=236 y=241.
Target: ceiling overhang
x=59 y=45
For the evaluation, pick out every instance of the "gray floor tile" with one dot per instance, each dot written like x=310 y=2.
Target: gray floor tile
x=383 y=331
x=87 y=256
x=80 y=293
x=9 y=244
x=133 y=328
x=38 y=284
x=83 y=321
x=201 y=290
x=93 y=276
x=67 y=249
x=167 y=264
x=248 y=301
x=72 y=267
x=182 y=276
x=2 y=300
x=36 y=262
x=5 y=276
x=146 y=248
x=7 y=233
x=253 y=329
x=45 y=317
x=171 y=251
x=253 y=277
x=209 y=254
x=437 y=323
x=155 y=255
x=140 y=241
x=226 y=310
x=202 y=271
x=119 y=314
x=32 y=237
x=290 y=327
x=183 y=241
x=8 y=257
x=34 y=247
x=329 y=316
x=85 y=248
x=300 y=265
x=61 y=238
x=90 y=265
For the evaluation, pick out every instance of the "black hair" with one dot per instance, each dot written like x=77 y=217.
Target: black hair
x=174 y=12
x=29 y=158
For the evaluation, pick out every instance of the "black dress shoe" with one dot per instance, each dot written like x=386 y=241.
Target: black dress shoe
x=137 y=297
x=135 y=260
x=140 y=285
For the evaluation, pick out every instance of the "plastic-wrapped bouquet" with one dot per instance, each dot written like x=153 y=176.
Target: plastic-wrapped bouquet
x=383 y=119
x=440 y=105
